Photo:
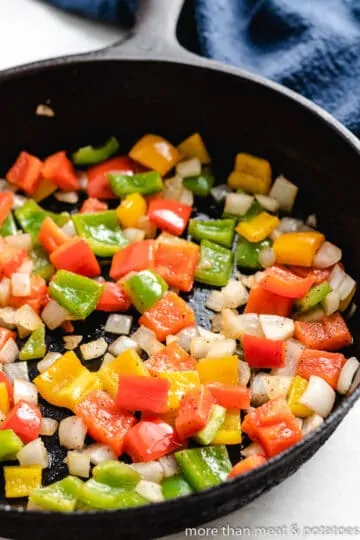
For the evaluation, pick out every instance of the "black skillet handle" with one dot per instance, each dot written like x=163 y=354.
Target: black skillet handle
x=154 y=34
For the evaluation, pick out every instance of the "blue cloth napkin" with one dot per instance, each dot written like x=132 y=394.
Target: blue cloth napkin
x=311 y=46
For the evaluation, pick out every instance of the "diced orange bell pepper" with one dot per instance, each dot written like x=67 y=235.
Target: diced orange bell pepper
x=263 y=353
x=168 y=215
x=274 y=411
x=181 y=382
x=92 y=205
x=326 y=365
x=279 y=437
x=281 y=281
x=113 y=298
x=6 y=204
x=171 y=358
x=141 y=393
x=297 y=248
x=194 y=147
x=156 y=153
x=258 y=228
x=262 y=301
x=38 y=297
x=59 y=169
x=230 y=396
x=151 y=439
x=251 y=173
x=76 y=256
x=222 y=370
x=168 y=316
x=319 y=275
x=175 y=260
x=330 y=333
x=247 y=465
x=51 y=236
x=25 y=173
x=194 y=412
x=132 y=258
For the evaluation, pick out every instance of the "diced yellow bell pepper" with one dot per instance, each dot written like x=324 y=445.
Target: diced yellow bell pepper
x=156 y=153
x=181 y=383
x=230 y=430
x=258 y=228
x=251 y=174
x=20 y=481
x=297 y=389
x=194 y=147
x=44 y=189
x=223 y=370
x=127 y=363
x=4 y=399
x=297 y=248
x=131 y=209
x=66 y=382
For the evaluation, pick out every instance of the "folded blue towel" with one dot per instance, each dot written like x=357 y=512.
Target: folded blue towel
x=311 y=46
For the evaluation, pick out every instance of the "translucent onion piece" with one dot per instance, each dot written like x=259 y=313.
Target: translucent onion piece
x=25 y=391
x=185 y=336
x=277 y=386
x=311 y=423
x=289 y=224
x=71 y=342
x=9 y=352
x=54 y=315
x=238 y=203
x=94 y=349
x=69 y=228
x=27 y=318
x=134 y=235
x=72 y=433
x=293 y=351
x=48 y=427
x=150 y=491
x=146 y=339
x=331 y=302
x=34 y=453
x=121 y=344
x=22 y=240
x=276 y=327
x=268 y=203
x=347 y=287
x=337 y=276
x=254 y=449
x=215 y=301
x=186 y=197
x=221 y=348
x=219 y=192
x=119 y=324
x=17 y=371
x=347 y=374
x=169 y=465
x=259 y=393
x=78 y=463
x=20 y=284
x=244 y=372
x=327 y=255
x=284 y=192
x=267 y=257
x=99 y=452
x=318 y=396
x=70 y=197
x=7 y=317
x=235 y=294
x=47 y=361
x=190 y=167
x=151 y=471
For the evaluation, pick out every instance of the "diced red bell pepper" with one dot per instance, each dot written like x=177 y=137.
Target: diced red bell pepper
x=151 y=439
x=105 y=422
x=140 y=393
x=5 y=334
x=38 y=297
x=263 y=353
x=262 y=301
x=51 y=236
x=230 y=396
x=25 y=420
x=11 y=258
x=281 y=281
x=76 y=256
x=133 y=258
x=326 y=365
x=26 y=172
x=177 y=263
x=113 y=298
x=59 y=169
x=319 y=275
x=6 y=204
x=168 y=316
x=247 y=465
x=171 y=358
x=92 y=205
x=170 y=216
x=98 y=185
x=6 y=380
x=279 y=437
x=194 y=412
x=329 y=334
x=274 y=411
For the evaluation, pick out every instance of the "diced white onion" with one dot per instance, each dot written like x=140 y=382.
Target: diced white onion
x=7 y=317
x=18 y=370
x=47 y=361
x=185 y=336
x=146 y=339
x=289 y=224
x=5 y=291
x=313 y=315
x=267 y=257
x=331 y=303
x=19 y=201
x=276 y=327
x=311 y=423
x=337 y=276
x=71 y=342
x=235 y=326
x=6 y=186
x=259 y=394
x=22 y=241
x=173 y=187
x=190 y=167
x=169 y=466
x=9 y=352
x=209 y=336
x=20 y=284
x=26 y=267
x=254 y=449
x=78 y=463
x=215 y=301
x=186 y=197
x=150 y=491
x=347 y=374
x=48 y=427
x=311 y=221
x=72 y=433
x=293 y=351
x=26 y=318
x=70 y=197
x=83 y=180
x=119 y=324
x=151 y=471
x=284 y=192
x=268 y=203
x=146 y=225
x=134 y=235
x=346 y=287
x=219 y=192
x=318 y=396
x=216 y=323
x=69 y=228
x=277 y=386
x=221 y=348
x=199 y=347
x=25 y=391
x=327 y=255
x=121 y=344
x=244 y=373
x=98 y=453
x=107 y=359
x=238 y=203
x=94 y=349
x=54 y=315
x=34 y=453
x=235 y=294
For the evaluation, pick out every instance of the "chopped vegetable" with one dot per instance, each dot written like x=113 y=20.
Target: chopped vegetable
x=98 y=184
x=131 y=209
x=141 y=393
x=132 y=258
x=204 y=467
x=156 y=153
x=145 y=289
x=116 y=474
x=21 y=481
x=175 y=486
x=251 y=174
x=10 y=445
x=58 y=497
x=150 y=439
x=170 y=216
x=258 y=228
x=78 y=294
x=194 y=147
x=200 y=184
x=220 y=231
x=102 y=232
x=35 y=346
x=298 y=248
x=88 y=155
x=215 y=265
x=26 y=172
x=247 y=253
x=59 y=169
x=330 y=333
x=247 y=465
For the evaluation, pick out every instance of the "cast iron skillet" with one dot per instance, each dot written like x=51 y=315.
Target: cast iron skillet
x=150 y=84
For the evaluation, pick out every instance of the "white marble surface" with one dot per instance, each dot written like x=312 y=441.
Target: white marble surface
x=325 y=490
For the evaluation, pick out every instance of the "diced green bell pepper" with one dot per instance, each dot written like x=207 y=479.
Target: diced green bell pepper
x=116 y=474
x=315 y=295
x=41 y=265
x=215 y=265
x=144 y=183
x=204 y=467
x=104 y=497
x=253 y=211
x=58 y=497
x=78 y=294
x=31 y=215
x=9 y=226
x=145 y=288
x=35 y=346
x=207 y=434
x=102 y=232
x=247 y=253
x=175 y=486
x=201 y=184
x=220 y=231
x=10 y=445
x=89 y=155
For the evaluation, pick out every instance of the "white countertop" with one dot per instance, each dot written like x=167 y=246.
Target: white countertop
x=325 y=490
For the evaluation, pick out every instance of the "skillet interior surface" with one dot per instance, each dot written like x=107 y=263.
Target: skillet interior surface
x=95 y=99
